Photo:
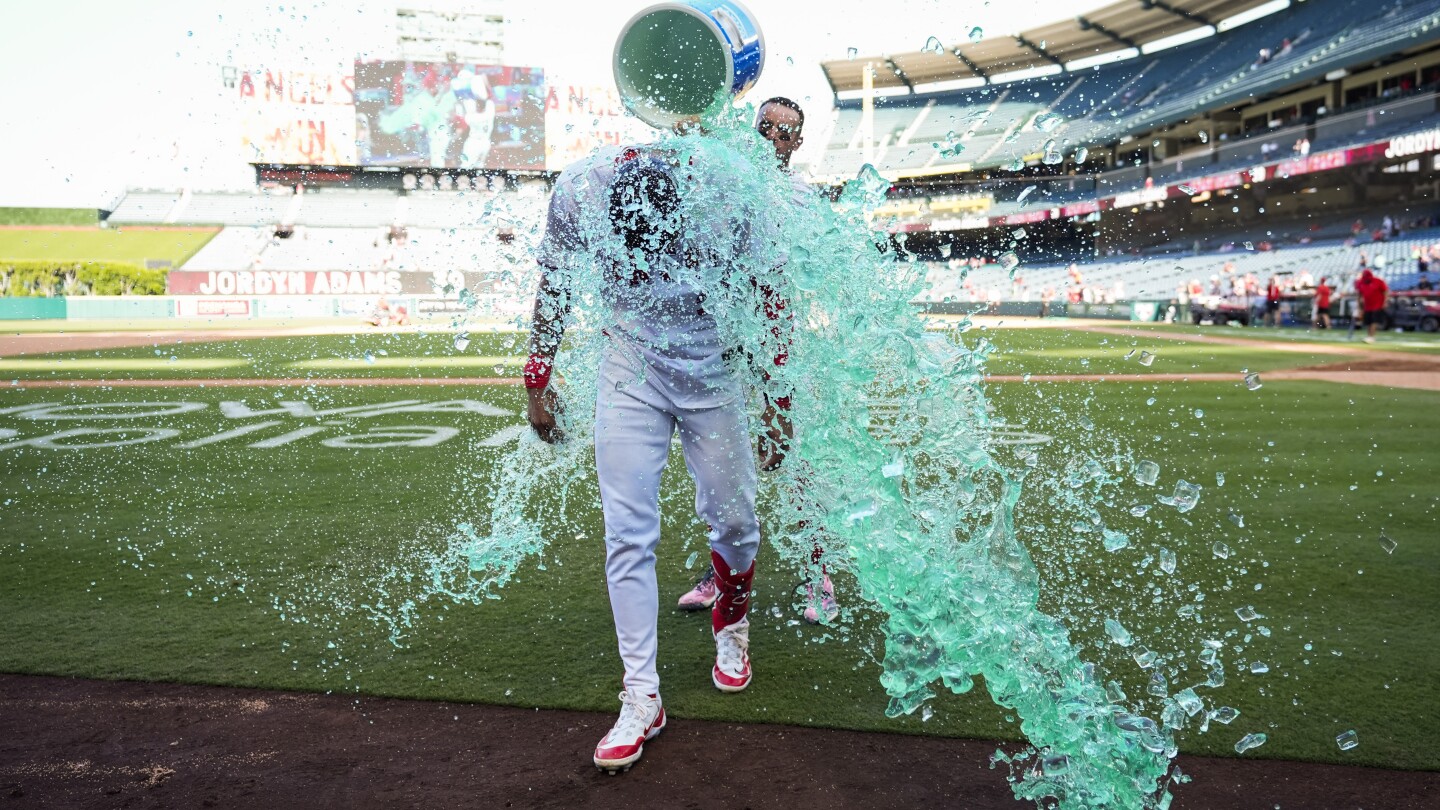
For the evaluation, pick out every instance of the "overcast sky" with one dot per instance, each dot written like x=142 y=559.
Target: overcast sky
x=100 y=96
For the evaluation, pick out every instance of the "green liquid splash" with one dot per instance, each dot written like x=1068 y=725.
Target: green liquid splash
x=889 y=471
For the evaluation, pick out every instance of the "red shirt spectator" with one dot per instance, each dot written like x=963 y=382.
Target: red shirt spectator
x=1272 y=292
x=1322 y=295
x=1372 y=291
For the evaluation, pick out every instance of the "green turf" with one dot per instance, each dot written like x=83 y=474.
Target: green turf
x=48 y=216
x=433 y=354
x=95 y=244
x=209 y=565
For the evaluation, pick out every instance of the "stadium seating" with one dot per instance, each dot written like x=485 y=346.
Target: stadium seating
x=347 y=209
x=1120 y=98
x=327 y=249
x=145 y=207
x=233 y=248
x=242 y=208
x=1159 y=277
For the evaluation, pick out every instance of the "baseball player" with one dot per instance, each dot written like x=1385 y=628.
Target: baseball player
x=780 y=121
x=475 y=104
x=665 y=371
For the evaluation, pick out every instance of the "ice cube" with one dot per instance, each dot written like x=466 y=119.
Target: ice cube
x=1347 y=740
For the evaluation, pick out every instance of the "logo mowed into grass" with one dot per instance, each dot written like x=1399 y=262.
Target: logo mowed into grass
x=277 y=426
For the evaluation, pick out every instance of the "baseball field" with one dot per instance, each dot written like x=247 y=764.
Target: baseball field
x=234 y=511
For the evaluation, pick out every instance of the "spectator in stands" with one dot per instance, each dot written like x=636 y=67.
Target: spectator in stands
x=1424 y=283
x=1272 y=302
x=1422 y=259
x=1374 y=294
x=1323 y=292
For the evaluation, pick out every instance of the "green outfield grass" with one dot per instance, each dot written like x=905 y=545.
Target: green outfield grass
x=48 y=216
x=94 y=244
x=410 y=354
x=226 y=563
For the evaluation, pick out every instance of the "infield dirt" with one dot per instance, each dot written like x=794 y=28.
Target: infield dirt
x=96 y=744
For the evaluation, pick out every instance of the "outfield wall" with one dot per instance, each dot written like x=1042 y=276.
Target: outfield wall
x=345 y=307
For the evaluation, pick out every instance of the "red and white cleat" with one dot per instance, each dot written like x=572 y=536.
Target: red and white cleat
x=731 y=672
x=702 y=596
x=641 y=718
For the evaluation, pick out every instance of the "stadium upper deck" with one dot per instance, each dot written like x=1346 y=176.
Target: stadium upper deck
x=916 y=131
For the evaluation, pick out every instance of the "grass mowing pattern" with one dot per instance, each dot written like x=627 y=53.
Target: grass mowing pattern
x=288 y=522
x=133 y=245
x=1035 y=351
x=48 y=216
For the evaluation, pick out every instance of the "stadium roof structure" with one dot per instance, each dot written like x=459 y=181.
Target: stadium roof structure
x=1117 y=27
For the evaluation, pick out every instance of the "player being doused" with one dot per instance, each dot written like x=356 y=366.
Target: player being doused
x=618 y=220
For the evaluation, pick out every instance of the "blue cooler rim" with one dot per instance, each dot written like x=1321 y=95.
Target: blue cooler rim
x=670 y=120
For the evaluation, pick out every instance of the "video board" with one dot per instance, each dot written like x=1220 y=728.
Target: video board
x=444 y=115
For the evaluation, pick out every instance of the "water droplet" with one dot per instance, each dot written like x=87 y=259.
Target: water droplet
x=1204 y=137
x=1185 y=497
x=1025 y=194
x=976 y=34
x=932 y=45
x=1047 y=122
x=1118 y=633
x=1250 y=741
x=926 y=713
x=1238 y=519
x=1347 y=740
x=851 y=53
x=1219 y=479
x=1259 y=667
x=369 y=357
x=1082 y=154
x=1015 y=165
x=1221 y=550
x=1139 y=509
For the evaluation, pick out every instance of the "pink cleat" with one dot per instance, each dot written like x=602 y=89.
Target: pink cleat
x=826 y=604
x=702 y=596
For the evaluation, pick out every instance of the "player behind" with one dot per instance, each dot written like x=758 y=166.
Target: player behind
x=664 y=370
x=475 y=105
x=781 y=122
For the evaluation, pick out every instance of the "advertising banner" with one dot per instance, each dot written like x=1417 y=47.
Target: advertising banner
x=443 y=115
x=318 y=282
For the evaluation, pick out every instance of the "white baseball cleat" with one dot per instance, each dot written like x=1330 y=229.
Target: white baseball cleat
x=731 y=672
x=641 y=718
